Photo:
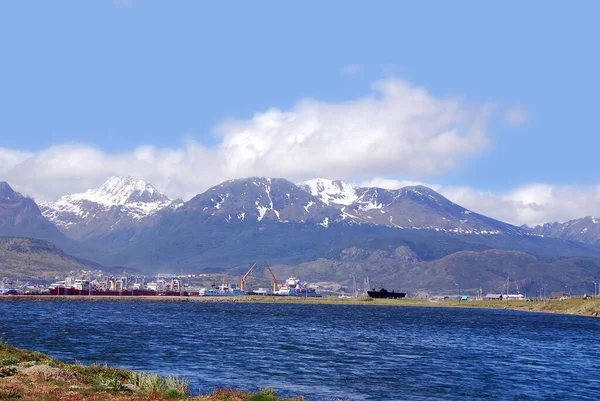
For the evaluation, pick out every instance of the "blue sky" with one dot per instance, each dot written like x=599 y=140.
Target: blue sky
x=177 y=93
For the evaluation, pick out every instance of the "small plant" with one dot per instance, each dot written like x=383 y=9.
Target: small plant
x=110 y=383
x=174 y=394
x=9 y=362
x=7 y=371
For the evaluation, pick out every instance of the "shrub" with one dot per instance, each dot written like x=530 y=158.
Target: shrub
x=264 y=394
x=9 y=362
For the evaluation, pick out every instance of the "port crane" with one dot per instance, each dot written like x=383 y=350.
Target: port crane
x=243 y=283
x=272 y=275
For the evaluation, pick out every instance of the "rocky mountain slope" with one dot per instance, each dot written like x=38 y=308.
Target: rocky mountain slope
x=585 y=230
x=121 y=202
x=28 y=257
x=21 y=217
x=260 y=199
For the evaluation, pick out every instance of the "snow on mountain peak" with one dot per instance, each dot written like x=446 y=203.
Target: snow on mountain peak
x=118 y=191
x=136 y=198
x=331 y=191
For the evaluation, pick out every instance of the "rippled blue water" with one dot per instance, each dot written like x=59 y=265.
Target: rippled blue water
x=324 y=351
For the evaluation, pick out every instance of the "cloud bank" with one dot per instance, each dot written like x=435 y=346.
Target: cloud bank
x=398 y=130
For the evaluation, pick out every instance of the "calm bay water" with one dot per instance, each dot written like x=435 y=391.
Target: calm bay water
x=324 y=351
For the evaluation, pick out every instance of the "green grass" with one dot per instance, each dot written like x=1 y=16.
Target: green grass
x=150 y=383
x=264 y=394
x=8 y=362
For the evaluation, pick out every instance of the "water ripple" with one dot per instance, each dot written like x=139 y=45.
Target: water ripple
x=324 y=351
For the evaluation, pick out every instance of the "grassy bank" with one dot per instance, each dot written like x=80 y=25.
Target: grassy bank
x=574 y=306
x=33 y=376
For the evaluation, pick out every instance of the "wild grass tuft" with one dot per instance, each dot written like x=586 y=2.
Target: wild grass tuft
x=109 y=383
x=265 y=394
x=152 y=383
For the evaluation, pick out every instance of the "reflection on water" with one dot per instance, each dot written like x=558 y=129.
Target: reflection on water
x=323 y=351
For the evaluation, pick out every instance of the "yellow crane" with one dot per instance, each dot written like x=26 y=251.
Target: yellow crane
x=243 y=283
x=272 y=275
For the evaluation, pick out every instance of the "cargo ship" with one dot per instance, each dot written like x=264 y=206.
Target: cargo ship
x=224 y=290
x=383 y=293
x=85 y=288
x=294 y=288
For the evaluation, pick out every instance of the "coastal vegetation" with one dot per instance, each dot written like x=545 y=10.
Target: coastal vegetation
x=570 y=306
x=32 y=376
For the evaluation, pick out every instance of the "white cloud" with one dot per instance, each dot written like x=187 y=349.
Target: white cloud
x=352 y=69
x=192 y=169
x=515 y=116
x=388 y=183
x=399 y=129
x=9 y=158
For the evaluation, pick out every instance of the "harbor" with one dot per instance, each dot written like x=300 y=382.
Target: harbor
x=99 y=284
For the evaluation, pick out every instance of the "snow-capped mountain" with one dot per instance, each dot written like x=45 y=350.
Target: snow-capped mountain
x=260 y=199
x=586 y=230
x=412 y=207
x=119 y=201
x=123 y=206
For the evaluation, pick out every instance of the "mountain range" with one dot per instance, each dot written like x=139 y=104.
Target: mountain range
x=321 y=229
x=585 y=230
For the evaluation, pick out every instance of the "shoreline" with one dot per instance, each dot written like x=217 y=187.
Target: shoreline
x=31 y=376
x=573 y=306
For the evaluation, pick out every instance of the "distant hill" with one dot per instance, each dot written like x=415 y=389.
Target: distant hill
x=29 y=257
x=464 y=271
x=21 y=217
